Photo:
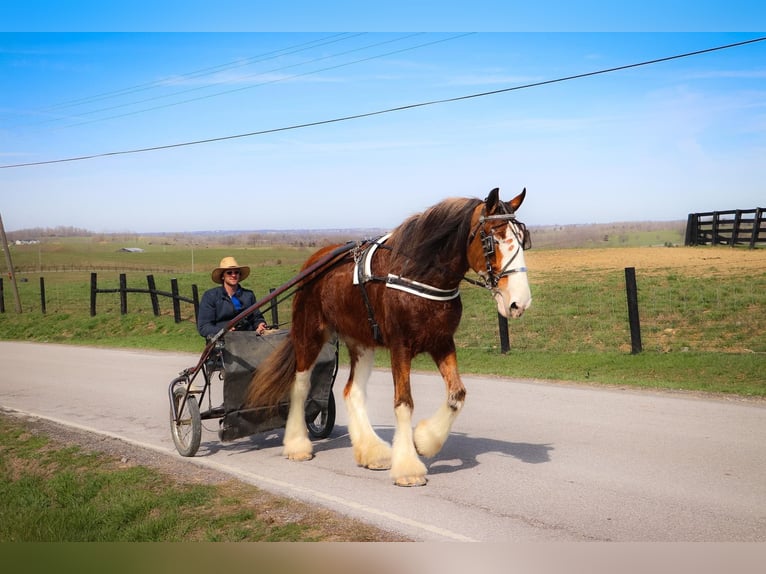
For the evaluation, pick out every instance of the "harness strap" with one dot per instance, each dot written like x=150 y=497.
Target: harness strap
x=363 y=274
x=420 y=289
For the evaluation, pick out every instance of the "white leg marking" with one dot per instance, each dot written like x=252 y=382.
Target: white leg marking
x=406 y=467
x=431 y=434
x=297 y=445
x=370 y=451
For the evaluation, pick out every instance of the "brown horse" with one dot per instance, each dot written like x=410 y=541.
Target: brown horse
x=399 y=292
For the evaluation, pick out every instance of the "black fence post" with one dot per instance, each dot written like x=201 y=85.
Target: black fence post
x=691 y=229
x=505 y=341
x=195 y=298
x=735 y=228
x=153 y=295
x=274 y=310
x=176 y=300
x=123 y=294
x=42 y=295
x=93 y=291
x=2 y=296
x=757 y=219
x=716 y=222
x=635 y=324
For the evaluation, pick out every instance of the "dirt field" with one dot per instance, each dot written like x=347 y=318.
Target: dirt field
x=702 y=261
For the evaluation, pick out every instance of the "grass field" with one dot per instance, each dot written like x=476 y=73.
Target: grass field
x=701 y=308
x=56 y=492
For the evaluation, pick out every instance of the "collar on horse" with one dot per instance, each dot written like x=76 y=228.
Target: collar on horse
x=363 y=274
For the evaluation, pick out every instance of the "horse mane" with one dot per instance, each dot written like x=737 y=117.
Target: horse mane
x=435 y=237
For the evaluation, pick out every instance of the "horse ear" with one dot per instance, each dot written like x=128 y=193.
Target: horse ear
x=516 y=202
x=492 y=200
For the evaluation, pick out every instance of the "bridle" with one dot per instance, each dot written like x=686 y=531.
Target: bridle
x=489 y=277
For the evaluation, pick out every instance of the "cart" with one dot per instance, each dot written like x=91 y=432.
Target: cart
x=231 y=358
x=232 y=362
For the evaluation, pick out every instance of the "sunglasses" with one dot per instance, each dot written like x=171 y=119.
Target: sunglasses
x=232 y=272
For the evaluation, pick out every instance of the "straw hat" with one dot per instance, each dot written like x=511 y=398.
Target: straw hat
x=229 y=263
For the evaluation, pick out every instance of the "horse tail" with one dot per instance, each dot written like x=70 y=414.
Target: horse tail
x=273 y=377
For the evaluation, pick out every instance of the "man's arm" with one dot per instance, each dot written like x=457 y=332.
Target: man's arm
x=206 y=325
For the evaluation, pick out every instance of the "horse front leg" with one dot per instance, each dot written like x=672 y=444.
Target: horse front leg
x=297 y=445
x=431 y=433
x=406 y=467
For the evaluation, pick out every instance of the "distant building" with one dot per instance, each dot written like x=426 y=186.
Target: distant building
x=132 y=250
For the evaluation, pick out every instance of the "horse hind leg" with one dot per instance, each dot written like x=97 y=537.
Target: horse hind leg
x=370 y=451
x=296 y=443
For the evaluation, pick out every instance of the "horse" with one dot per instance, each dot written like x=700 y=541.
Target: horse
x=399 y=292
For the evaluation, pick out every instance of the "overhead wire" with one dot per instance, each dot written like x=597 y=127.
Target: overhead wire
x=273 y=81
x=196 y=74
x=393 y=109
x=239 y=63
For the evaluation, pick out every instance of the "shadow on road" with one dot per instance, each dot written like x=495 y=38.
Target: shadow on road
x=460 y=452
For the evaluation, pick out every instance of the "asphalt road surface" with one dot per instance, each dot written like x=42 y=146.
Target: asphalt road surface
x=526 y=461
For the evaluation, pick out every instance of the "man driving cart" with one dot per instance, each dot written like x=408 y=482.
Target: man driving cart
x=220 y=305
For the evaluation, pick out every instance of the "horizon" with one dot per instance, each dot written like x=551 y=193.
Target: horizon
x=79 y=232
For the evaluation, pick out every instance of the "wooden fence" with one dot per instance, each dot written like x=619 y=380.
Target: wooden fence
x=734 y=227
x=273 y=309
x=151 y=290
x=154 y=295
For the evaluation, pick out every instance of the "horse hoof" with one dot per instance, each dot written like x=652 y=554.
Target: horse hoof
x=379 y=465
x=411 y=481
x=300 y=456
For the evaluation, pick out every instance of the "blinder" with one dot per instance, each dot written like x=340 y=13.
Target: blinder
x=520 y=233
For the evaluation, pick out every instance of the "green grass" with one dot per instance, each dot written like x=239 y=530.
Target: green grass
x=698 y=333
x=55 y=493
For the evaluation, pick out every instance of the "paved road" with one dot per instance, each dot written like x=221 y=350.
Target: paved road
x=527 y=461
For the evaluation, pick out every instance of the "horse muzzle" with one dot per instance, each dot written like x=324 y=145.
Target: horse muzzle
x=511 y=307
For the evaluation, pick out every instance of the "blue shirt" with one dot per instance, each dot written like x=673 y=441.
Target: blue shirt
x=216 y=309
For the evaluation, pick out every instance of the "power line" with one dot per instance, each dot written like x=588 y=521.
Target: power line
x=209 y=70
x=249 y=87
x=290 y=50
x=395 y=109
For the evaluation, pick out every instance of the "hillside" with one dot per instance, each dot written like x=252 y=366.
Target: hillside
x=621 y=234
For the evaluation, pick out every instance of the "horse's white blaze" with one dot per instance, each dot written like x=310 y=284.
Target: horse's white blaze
x=369 y=449
x=512 y=295
x=406 y=467
x=297 y=444
x=430 y=434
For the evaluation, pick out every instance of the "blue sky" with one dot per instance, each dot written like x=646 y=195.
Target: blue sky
x=652 y=142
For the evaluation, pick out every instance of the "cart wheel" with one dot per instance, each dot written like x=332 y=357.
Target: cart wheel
x=321 y=426
x=187 y=434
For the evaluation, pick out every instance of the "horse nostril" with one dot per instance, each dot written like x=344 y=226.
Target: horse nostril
x=514 y=305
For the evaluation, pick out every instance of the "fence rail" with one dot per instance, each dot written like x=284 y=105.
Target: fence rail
x=678 y=312
x=733 y=227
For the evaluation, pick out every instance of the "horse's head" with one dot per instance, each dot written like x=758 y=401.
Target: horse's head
x=496 y=252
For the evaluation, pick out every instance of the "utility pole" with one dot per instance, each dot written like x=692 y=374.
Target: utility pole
x=11 y=270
